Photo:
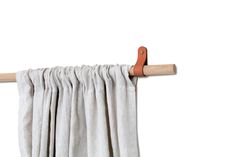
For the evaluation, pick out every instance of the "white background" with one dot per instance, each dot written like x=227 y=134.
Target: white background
x=192 y=114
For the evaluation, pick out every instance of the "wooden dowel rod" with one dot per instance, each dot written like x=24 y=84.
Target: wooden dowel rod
x=149 y=70
x=155 y=70
x=7 y=77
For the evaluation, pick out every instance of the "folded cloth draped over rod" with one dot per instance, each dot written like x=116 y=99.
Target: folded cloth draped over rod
x=148 y=70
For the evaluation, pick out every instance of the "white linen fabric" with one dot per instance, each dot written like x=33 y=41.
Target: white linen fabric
x=81 y=111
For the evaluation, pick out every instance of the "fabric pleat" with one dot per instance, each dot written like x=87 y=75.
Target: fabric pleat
x=81 y=111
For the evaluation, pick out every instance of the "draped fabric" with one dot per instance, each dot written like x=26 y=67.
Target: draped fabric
x=82 y=111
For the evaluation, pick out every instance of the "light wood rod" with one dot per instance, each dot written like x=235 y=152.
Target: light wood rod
x=7 y=77
x=149 y=70
x=156 y=70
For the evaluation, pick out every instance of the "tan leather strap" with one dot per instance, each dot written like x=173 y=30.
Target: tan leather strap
x=141 y=61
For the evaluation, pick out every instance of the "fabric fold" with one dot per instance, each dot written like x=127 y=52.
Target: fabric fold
x=81 y=111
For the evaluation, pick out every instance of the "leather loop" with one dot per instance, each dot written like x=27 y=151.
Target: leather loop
x=141 y=61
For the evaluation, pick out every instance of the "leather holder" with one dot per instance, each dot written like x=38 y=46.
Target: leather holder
x=141 y=61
